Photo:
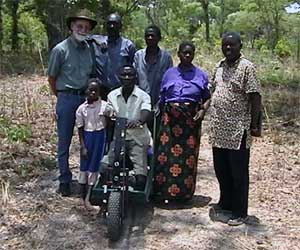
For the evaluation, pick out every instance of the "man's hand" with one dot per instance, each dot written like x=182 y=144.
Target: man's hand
x=133 y=124
x=103 y=46
x=54 y=91
x=256 y=114
x=199 y=115
x=256 y=132
x=84 y=152
x=52 y=84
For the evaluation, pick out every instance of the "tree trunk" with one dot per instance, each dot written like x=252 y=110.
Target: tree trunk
x=14 y=32
x=276 y=28
x=53 y=14
x=205 y=4
x=222 y=18
x=54 y=34
x=1 y=25
x=104 y=9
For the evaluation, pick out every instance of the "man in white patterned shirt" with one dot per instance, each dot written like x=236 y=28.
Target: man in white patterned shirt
x=235 y=115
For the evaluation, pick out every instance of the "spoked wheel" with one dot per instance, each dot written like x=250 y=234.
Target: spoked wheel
x=114 y=216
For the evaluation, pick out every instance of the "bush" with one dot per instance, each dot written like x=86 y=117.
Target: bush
x=260 y=43
x=283 y=48
x=14 y=132
x=21 y=63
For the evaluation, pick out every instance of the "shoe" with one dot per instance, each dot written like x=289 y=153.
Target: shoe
x=64 y=189
x=237 y=221
x=216 y=206
x=220 y=215
x=140 y=182
x=103 y=211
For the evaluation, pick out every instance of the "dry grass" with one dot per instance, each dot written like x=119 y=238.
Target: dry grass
x=4 y=199
x=33 y=216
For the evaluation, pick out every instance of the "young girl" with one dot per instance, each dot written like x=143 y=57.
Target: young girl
x=91 y=125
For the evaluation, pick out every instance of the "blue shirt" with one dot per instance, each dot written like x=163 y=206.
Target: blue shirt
x=184 y=85
x=119 y=53
x=71 y=64
x=150 y=75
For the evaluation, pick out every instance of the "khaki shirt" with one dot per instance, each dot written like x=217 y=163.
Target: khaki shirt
x=230 y=106
x=138 y=100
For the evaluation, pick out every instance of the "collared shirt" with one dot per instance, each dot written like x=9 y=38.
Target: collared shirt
x=119 y=53
x=101 y=63
x=90 y=116
x=230 y=106
x=184 y=85
x=150 y=75
x=138 y=100
x=71 y=64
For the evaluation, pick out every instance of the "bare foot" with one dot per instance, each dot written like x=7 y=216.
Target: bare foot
x=89 y=206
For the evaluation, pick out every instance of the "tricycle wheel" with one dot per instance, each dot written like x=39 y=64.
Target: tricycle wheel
x=114 y=217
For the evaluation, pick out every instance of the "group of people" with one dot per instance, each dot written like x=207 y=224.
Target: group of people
x=140 y=85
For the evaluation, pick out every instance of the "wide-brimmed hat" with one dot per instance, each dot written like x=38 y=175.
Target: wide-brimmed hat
x=83 y=15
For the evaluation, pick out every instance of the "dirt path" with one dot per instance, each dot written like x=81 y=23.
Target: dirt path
x=33 y=216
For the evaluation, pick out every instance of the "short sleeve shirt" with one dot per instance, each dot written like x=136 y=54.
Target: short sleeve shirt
x=119 y=53
x=150 y=75
x=184 y=85
x=138 y=100
x=230 y=106
x=91 y=116
x=71 y=64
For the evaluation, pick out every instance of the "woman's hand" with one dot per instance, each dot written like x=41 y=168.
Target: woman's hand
x=256 y=132
x=199 y=115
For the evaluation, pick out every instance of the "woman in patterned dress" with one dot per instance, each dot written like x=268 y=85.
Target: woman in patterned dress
x=183 y=101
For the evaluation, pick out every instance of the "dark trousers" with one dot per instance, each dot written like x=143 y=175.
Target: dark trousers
x=232 y=172
x=66 y=107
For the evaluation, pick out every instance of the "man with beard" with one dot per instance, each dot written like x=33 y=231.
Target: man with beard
x=70 y=66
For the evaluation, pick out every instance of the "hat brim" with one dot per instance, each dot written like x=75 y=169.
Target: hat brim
x=74 y=18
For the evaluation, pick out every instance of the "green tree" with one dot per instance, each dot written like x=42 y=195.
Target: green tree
x=52 y=13
x=13 y=6
x=226 y=7
x=205 y=5
x=245 y=23
x=1 y=25
x=270 y=14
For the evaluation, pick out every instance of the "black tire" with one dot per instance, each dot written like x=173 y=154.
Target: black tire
x=114 y=217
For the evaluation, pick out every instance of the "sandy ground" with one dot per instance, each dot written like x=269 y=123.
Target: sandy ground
x=34 y=216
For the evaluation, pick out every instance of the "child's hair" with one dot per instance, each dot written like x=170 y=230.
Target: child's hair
x=183 y=44
x=96 y=80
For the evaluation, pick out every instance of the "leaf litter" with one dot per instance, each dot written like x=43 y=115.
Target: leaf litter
x=34 y=216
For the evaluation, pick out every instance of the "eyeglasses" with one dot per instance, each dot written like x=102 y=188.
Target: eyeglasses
x=82 y=25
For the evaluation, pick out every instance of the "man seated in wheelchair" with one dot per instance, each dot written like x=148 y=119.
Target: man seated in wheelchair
x=132 y=103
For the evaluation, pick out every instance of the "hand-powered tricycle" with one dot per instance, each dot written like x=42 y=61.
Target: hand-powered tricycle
x=113 y=189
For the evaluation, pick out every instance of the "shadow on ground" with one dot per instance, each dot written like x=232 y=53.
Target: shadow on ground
x=197 y=201
x=138 y=219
